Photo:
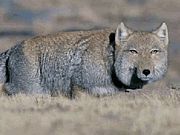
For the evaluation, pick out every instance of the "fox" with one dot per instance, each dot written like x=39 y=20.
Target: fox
x=101 y=62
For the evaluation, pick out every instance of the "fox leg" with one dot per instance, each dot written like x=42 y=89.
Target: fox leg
x=98 y=82
x=103 y=90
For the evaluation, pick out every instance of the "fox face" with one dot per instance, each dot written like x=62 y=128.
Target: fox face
x=141 y=57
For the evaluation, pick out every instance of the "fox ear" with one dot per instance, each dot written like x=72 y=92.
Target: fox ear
x=162 y=33
x=122 y=32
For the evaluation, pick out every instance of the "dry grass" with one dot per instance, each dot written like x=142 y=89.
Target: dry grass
x=137 y=113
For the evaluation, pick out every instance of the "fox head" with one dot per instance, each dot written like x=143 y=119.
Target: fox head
x=140 y=56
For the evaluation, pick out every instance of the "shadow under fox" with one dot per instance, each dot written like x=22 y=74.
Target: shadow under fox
x=101 y=61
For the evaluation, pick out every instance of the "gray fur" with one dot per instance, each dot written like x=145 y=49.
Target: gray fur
x=93 y=60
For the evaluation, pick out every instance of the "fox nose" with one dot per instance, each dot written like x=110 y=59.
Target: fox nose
x=146 y=72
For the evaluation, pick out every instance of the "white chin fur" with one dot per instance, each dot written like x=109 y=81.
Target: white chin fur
x=125 y=79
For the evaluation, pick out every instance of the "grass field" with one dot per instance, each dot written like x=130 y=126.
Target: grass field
x=147 y=112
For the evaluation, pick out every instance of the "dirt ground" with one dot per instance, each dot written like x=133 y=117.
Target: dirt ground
x=154 y=110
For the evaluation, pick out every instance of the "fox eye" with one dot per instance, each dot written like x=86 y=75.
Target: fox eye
x=133 y=51
x=154 y=51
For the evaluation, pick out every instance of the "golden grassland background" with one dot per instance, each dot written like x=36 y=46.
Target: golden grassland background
x=155 y=110
x=138 y=113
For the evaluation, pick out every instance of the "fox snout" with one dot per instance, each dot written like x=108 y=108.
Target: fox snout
x=145 y=74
